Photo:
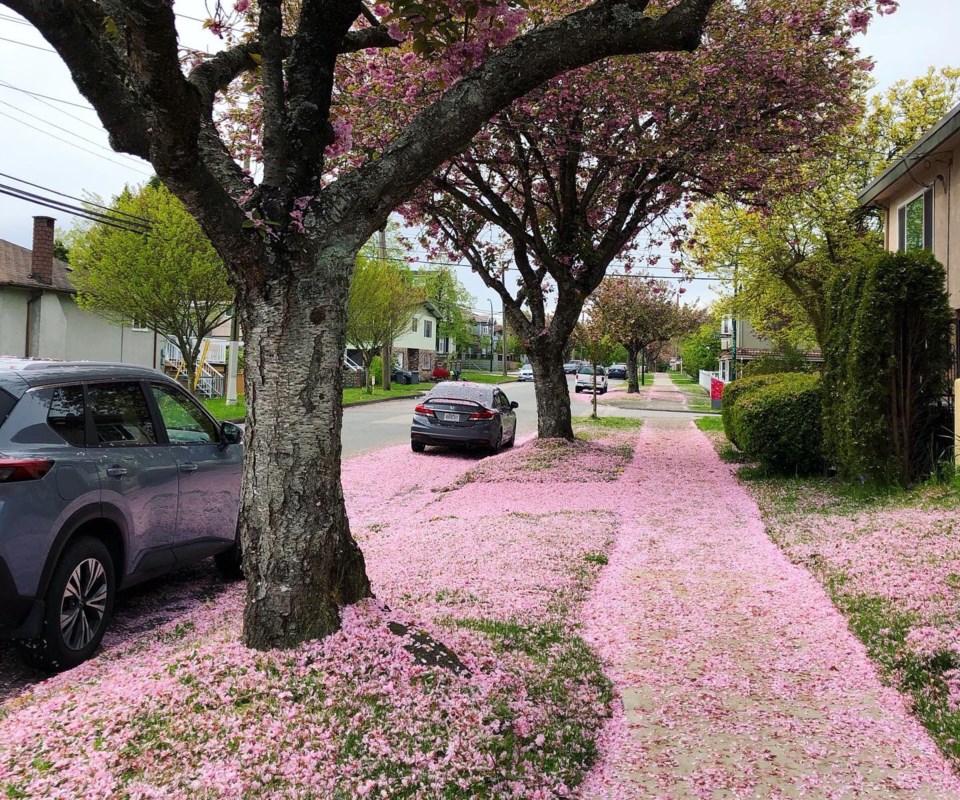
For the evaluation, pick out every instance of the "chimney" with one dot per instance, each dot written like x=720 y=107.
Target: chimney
x=42 y=262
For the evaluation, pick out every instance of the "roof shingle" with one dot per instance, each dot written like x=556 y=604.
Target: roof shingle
x=15 y=269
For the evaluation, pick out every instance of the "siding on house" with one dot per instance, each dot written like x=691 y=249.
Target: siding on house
x=931 y=166
x=39 y=317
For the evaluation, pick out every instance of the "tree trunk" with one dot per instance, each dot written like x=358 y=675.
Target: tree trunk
x=300 y=560
x=633 y=385
x=553 y=394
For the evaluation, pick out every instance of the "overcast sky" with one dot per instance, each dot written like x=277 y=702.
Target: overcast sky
x=41 y=144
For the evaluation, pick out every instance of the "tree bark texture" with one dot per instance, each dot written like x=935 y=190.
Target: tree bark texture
x=553 y=394
x=633 y=382
x=300 y=560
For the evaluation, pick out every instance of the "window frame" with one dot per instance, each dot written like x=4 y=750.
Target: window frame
x=415 y=326
x=161 y=426
x=428 y=329
x=92 y=440
x=927 y=195
x=138 y=327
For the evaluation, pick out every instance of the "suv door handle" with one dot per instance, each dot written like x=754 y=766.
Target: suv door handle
x=116 y=472
x=189 y=466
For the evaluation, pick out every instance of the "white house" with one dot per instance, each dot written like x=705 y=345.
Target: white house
x=39 y=317
x=416 y=348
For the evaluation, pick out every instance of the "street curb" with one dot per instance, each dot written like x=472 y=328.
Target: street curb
x=385 y=399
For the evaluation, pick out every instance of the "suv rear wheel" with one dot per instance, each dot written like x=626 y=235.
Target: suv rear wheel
x=79 y=604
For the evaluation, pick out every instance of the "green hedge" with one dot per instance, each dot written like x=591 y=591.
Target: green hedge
x=777 y=421
x=734 y=390
x=885 y=366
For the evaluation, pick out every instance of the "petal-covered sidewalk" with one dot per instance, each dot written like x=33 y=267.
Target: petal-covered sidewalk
x=738 y=677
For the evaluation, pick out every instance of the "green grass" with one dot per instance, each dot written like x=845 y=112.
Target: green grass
x=219 y=408
x=682 y=379
x=614 y=423
x=355 y=395
x=487 y=377
x=709 y=423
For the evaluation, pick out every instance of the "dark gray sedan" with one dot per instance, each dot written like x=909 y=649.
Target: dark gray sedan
x=457 y=413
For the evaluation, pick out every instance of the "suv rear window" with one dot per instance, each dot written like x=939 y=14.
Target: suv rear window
x=7 y=402
x=66 y=415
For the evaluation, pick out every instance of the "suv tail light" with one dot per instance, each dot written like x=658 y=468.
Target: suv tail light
x=13 y=470
x=482 y=415
x=422 y=409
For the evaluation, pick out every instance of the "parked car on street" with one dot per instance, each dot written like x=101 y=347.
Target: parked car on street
x=109 y=474
x=526 y=373
x=617 y=371
x=464 y=413
x=585 y=379
x=571 y=367
x=398 y=375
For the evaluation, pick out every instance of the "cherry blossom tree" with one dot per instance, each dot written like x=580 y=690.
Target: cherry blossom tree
x=639 y=313
x=560 y=185
x=290 y=240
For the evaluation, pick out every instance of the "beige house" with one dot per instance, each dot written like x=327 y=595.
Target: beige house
x=416 y=348
x=39 y=317
x=919 y=199
x=738 y=340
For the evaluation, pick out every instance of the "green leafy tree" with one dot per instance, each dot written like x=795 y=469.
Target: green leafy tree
x=170 y=280
x=443 y=290
x=781 y=257
x=701 y=351
x=382 y=298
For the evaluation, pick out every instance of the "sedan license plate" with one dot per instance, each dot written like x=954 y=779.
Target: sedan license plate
x=451 y=417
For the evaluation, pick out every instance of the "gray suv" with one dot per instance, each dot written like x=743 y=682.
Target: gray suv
x=109 y=474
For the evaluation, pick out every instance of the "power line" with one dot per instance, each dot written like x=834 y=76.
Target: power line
x=5 y=85
x=61 y=128
x=31 y=46
x=79 y=199
x=57 y=205
x=72 y=144
x=8 y=18
x=59 y=111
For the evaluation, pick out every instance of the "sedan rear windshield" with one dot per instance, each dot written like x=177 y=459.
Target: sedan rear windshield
x=462 y=391
x=7 y=402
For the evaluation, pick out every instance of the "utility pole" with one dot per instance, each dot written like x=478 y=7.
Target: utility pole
x=503 y=334
x=386 y=357
x=492 y=327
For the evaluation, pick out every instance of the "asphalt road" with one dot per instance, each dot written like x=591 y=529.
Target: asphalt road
x=368 y=427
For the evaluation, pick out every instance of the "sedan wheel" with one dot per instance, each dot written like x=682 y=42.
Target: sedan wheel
x=79 y=603
x=496 y=448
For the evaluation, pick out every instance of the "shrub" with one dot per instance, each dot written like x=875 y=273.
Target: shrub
x=731 y=393
x=376 y=369
x=886 y=360
x=779 y=423
x=440 y=374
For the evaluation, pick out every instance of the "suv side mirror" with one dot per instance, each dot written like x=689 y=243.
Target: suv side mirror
x=230 y=433
x=514 y=404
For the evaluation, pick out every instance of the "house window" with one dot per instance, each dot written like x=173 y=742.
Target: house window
x=915 y=221
x=427 y=328
x=414 y=325
x=138 y=325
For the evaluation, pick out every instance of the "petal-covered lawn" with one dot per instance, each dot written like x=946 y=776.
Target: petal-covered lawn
x=734 y=674
x=738 y=676
x=491 y=557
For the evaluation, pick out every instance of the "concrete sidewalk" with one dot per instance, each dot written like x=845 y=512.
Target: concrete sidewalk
x=738 y=677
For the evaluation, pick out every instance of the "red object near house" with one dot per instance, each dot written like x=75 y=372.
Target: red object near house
x=716 y=389
x=440 y=374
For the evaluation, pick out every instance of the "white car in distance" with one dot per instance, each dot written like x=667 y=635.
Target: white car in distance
x=586 y=377
x=526 y=373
